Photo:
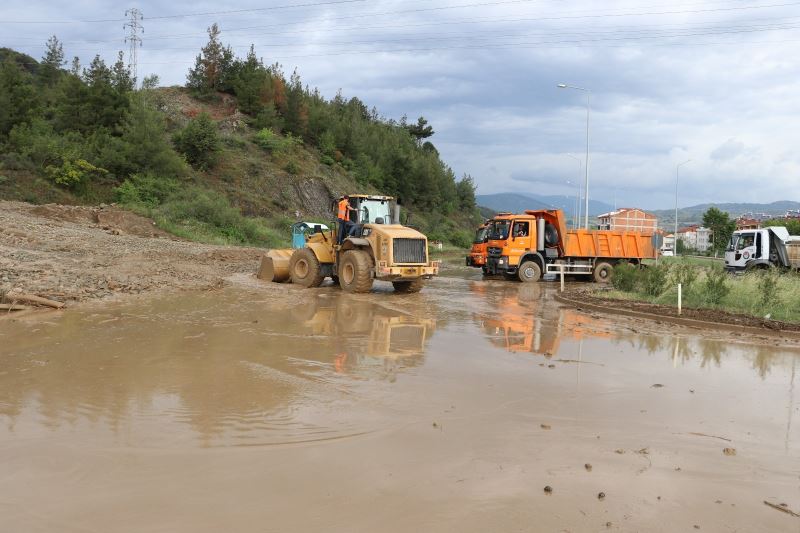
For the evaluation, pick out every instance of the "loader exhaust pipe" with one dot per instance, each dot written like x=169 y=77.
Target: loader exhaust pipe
x=540 y=222
x=396 y=214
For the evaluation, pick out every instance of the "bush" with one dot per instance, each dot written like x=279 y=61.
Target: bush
x=292 y=167
x=277 y=144
x=327 y=160
x=206 y=215
x=74 y=173
x=683 y=273
x=715 y=287
x=654 y=279
x=767 y=288
x=625 y=277
x=199 y=142
x=145 y=190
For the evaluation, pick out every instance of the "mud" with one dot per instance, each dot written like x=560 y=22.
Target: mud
x=76 y=253
x=709 y=315
x=264 y=407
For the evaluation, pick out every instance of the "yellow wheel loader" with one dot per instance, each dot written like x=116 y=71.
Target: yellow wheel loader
x=375 y=246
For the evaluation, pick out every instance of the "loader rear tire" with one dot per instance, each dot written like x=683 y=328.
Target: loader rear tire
x=355 y=271
x=603 y=272
x=305 y=269
x=529 y=271
x=409 y=287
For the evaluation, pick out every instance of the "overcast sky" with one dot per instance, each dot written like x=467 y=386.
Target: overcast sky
x=714 y=81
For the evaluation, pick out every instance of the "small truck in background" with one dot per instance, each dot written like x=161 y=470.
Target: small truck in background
x=528 y=245
x=477 y=254
x=762 y=249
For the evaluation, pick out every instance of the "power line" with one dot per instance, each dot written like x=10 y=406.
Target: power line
x=184 y=15
x=135 y=25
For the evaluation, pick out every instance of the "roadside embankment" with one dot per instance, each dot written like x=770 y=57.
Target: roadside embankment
x=70 y=253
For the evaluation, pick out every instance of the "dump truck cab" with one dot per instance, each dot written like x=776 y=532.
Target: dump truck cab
x=477 y=253
x=761 y=249
x=377 y=246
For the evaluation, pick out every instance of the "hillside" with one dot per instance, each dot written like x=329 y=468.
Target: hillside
x=233 y=158
x=518 y=202
x=694 y=214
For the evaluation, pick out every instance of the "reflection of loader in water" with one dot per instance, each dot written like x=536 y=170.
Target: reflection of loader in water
x=526 y=322
x=368 y=332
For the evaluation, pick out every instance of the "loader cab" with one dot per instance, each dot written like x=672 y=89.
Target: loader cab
x=374 y=210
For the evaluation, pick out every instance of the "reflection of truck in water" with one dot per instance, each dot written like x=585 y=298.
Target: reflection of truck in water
x=526 y=246
x=524 y=324
x=761 y=249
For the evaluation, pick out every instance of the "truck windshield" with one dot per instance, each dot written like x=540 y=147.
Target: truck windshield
x=732 y=242
x=480 y=235
x=370 y=210
x=745 y=240
x=499 y=230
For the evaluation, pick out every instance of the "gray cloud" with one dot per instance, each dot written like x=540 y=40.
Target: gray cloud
x=720 y=87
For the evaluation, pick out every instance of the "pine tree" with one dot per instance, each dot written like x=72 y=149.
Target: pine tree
x=18 y=101
x=213 y=66
x=52 y=61
x=121 y=75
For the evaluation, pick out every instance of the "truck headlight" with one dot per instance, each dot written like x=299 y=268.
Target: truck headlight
x=500 y=262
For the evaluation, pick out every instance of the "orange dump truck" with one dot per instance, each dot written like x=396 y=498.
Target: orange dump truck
x=477 y=254
x=528 y=245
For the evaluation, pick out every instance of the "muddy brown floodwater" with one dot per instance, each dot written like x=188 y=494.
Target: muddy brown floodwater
x=270 y=408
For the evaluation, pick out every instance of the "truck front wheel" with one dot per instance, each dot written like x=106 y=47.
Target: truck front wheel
x=529 y=271
x=354 y=271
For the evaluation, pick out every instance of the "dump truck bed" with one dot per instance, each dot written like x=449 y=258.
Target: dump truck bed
x=793 y=251
x=608 y=243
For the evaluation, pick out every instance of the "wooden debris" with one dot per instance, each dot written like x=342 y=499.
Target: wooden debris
x=782 y=508
x=34 y=300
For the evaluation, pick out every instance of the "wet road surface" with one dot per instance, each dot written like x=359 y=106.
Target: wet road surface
x=277 y=409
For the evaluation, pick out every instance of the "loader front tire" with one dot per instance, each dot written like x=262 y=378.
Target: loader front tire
x=305 y=269
x=409 y=287
x=355 y=271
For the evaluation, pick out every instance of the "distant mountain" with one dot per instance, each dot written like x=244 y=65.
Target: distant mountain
x=694 y=214
x=518 y=202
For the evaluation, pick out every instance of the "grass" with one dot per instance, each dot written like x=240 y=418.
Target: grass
x=689 y=260
x=199 y=214
x=772 y=294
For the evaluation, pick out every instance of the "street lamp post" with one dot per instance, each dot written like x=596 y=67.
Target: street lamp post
x=576 y=216
x=586 y=166
x=675 y=234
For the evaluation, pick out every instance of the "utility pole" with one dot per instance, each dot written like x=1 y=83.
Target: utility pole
x=134 y=25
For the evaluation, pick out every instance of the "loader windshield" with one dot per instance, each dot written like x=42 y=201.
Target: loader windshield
x=371 y=210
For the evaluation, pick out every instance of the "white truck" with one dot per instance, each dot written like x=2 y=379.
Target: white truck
x=763 y=248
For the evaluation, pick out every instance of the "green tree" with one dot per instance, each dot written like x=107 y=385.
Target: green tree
x=420 y=130
x=18 y=97
x=792 y=225
x=199 y=142
x=213 y=66
x=721 y=226
x=52 y=62
x=121 y=75
x=465 y=189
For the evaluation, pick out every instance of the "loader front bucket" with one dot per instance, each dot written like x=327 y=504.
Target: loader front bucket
x=275 y=266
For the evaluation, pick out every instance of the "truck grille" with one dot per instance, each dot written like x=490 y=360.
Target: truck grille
x=410 y=251
x=495 y=252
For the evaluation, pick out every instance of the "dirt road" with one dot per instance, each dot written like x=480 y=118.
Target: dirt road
x=71 y=253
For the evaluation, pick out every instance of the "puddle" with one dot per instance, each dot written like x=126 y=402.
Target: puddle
x=246 y=409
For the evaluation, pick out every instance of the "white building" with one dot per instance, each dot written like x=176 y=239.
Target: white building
x=695 y=237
